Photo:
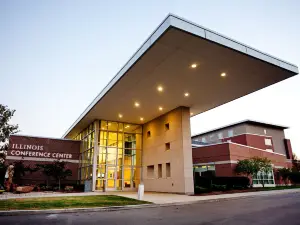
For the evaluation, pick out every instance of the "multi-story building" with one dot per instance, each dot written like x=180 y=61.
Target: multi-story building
x=220 y=149
x=137 y=130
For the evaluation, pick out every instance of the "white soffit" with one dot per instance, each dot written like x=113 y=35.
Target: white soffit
x=196 y=30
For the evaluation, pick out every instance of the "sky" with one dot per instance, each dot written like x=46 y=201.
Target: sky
x=56 y=56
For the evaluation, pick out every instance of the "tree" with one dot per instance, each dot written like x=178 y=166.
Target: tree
x=252 y=166
x=59 y=171
x=245 y=167
x=20 y=170
x=284 y=173
x=264 y=165
x=46 y=170
x=6 y=129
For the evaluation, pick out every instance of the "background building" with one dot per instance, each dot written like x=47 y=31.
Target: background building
x=219 y=150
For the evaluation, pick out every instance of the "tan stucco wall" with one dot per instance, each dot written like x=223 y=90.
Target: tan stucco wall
x=179 y=156
x=277 y=136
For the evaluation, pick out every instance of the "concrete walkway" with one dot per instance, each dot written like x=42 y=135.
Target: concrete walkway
x=157 y=198
x=166 y=198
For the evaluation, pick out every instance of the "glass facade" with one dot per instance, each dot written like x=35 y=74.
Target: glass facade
x=118 y=159
x=267 y=178
x=87 y=136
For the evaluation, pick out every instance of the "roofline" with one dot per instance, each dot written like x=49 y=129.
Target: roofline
x=61 y=139
x=175 y=21
x=241 y=122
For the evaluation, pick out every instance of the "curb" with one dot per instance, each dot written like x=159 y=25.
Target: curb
x=128 y=207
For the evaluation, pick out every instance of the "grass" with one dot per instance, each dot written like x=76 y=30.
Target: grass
x=67 y=202
x=205 y=191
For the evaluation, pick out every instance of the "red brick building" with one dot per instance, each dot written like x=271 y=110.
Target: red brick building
x=40 y=150
x=219 y=150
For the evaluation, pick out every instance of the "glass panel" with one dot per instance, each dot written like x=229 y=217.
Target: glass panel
x=127 y=183
x=136 y=183
x=103 y=125
x=121 y=127
x=112 y=151
x=127 y=173
x=99 y=184
x=113 y=126
x=100 y=172
x=111 y=159
x=111 y=172
x=119 y=184
x=119 y=173
x=110 y=183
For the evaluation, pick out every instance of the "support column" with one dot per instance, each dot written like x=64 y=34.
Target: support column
x=168 y=149
x=96 y=153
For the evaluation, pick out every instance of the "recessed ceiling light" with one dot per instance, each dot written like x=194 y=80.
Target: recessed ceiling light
x=192 y=113
x=160 y=108
x=136 y=104
x=223 y=74
x=186 y=94
x=127 y=126
x=121 y=130
x=120 y=115
x=160 y=88
x=194 y=65
x=141 y=118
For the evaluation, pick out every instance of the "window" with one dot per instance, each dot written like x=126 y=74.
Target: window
x=268 y=142
x=204 y=140
x=230 y=133
x=150 y=171
x=265 y=131
x=167 y=146
x=267 y=178
x=148 y=133
x=167 y=126
x=220 y=135
x=205 y=171
x=159 y=170
x=168 y=170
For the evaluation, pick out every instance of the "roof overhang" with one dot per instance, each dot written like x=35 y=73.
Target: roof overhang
x=165 y=59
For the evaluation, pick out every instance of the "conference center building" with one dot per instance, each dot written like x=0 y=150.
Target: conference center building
x=137 y=130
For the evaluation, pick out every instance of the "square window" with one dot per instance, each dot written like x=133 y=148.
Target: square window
x=168 y=170
x=230 y=133
x=150 y=171
x=167 y=146
x=268 y=142
x=167 y=126
x=148 y=133
x=159 y=170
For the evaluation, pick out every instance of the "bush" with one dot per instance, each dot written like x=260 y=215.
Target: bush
x=294 y=177
x=222 y=183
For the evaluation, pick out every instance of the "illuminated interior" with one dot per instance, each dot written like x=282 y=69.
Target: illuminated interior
x=119 y=158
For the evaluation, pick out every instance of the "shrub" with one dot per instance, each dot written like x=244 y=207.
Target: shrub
x=294 y=177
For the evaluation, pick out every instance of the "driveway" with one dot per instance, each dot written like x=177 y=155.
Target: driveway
x=267 y=210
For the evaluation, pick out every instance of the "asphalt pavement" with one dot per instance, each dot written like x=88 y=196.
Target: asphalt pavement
x=263 y=210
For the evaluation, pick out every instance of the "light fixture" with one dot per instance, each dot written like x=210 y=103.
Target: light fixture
x=160 y=108
x=186 y=94
x=136 y=104
x=191 y=113
x=223 y=74
x=194 y=65
x=120 y=130
x=160 y=88
x=120 y=115
x=141 y=118
x=127 y=126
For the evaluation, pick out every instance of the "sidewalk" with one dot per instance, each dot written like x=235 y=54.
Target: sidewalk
x=166 y=198
x=159 y=200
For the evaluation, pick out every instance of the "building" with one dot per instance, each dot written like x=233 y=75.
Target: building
x=220 y=149
x=138 y=128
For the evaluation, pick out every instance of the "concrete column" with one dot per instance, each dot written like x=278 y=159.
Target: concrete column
x=179 y=156
x=95 y=156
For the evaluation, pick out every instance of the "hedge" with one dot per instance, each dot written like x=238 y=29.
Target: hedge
x=220 y=183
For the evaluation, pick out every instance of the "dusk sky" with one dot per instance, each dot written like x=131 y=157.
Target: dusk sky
x=56 y=56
